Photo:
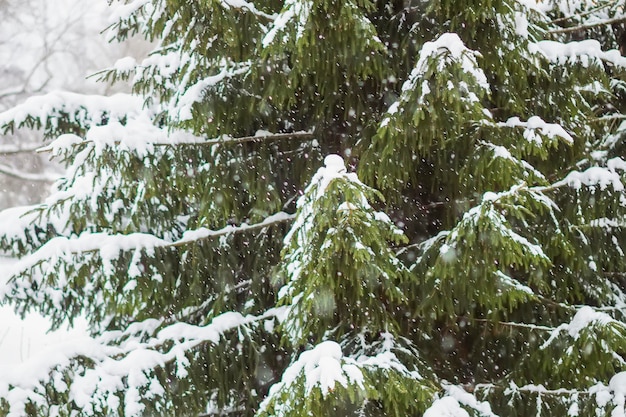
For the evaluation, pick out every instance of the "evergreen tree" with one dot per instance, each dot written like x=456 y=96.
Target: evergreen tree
x=355 y=207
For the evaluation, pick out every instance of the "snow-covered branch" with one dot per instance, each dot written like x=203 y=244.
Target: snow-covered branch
x=605 y=22
x=180 y=140
x=110 y=246
x=246 y=5
x=535 y=389
x=259 y=137
x=204 y=233
x=120 y=361
x=584 y=52
x=82 y=109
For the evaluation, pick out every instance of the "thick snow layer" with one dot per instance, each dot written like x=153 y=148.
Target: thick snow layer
x=521 y=25
x=450 y=404
x=593 y=177
x=586 y=52
x=444 y=51
x=468 y=400
x=584 y=318
x=536 y=123
x=109 y=247
x=335 y=163
x=18 y=223
x=322 y=367
x=447 y=48
x=293 y=10
x=213 y=331
x=84 y=109
x=125 y=65
x=125 y=11
x=617 y=384
x=16 y=220
x=139 y=135
x=446 y=407
x=246 y=5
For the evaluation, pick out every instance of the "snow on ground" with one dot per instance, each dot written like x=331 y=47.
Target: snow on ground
x=23 y=339
x=45 y=46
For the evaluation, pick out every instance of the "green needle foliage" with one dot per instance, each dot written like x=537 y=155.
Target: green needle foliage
x=352 y=208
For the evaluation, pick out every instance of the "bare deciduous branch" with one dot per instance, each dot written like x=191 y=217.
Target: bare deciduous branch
x=13 y=150
x=26 y=176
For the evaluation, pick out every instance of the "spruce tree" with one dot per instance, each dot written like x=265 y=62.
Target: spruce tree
x=316 y=207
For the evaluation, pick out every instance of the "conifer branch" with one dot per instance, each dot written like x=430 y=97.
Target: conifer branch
x=225 y=139
x=586 y=26
x=203 y=233
x=95 y=242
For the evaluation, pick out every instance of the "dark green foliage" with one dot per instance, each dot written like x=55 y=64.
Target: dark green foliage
x=230 y=261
